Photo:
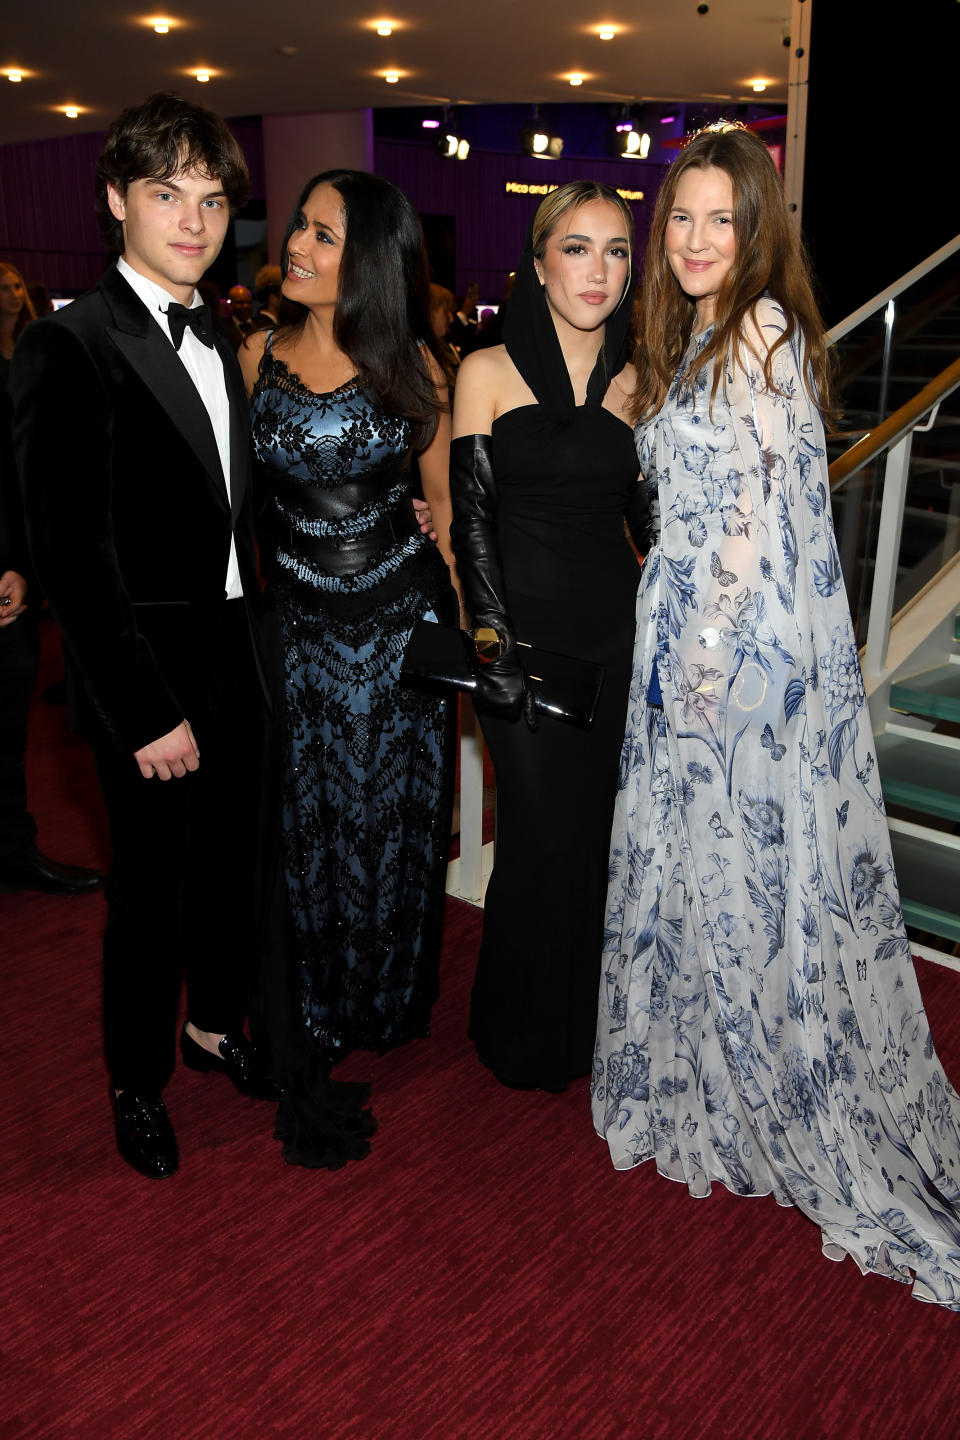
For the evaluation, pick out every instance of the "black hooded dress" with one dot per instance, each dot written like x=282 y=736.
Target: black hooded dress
x=564 y=475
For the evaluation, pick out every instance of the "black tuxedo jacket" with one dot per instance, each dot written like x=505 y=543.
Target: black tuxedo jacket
x=127 y=513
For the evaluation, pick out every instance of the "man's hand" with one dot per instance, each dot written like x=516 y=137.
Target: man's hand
x=171 y=755
x=13 y=596
x=424 y=519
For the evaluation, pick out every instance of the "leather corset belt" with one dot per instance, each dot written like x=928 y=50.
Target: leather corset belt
x=348 y=554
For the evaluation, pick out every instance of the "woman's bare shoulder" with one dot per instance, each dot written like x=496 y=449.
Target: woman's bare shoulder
x=489 y=367
x=250 y=354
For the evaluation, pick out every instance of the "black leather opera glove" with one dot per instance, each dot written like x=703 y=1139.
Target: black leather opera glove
x=473 y=534
x=639 y=518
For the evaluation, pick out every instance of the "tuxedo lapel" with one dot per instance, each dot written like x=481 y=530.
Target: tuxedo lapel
x=239 y=426
x=148 y=351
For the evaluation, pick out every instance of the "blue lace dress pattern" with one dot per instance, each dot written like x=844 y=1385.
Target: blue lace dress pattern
x=760 y=1022
x=368 y=773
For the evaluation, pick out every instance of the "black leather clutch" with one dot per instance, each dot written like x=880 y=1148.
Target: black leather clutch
x=442 y=659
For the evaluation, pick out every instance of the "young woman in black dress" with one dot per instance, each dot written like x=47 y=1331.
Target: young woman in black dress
x=543 y=469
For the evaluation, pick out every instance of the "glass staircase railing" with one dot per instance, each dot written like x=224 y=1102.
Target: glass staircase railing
x=895 y=476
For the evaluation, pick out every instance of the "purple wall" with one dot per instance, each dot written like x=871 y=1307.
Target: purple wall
x=47 y=224
x=491 y=225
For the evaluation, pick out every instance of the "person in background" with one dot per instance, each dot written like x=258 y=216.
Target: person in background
x=463 y=327
x=224 y=325
x=22 y=865
x=760 y=1022
x=40 y=299
x=341 y=402
x=241 y=308
x=131 y=440
x=543 y=470
x=266 y=288
x=16 y=312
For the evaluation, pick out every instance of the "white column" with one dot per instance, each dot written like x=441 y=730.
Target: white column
x=797 y=91
x=298 y=146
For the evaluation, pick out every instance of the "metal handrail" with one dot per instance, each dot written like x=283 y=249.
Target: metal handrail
x=889 y=431
x=870 y=307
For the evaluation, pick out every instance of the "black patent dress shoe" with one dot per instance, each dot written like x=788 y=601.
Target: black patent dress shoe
x=33 y=871
x=237 y=1058
x=145 y=1136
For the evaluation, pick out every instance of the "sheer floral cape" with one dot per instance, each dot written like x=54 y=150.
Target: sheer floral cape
x=760 y=1021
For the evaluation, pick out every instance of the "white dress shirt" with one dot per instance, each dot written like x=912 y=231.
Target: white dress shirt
x=205 y=369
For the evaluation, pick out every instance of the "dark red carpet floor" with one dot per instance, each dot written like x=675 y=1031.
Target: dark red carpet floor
x=484 y=1274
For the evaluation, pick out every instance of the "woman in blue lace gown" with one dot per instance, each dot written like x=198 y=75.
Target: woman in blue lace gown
x=341 y=402
x=760 y=1022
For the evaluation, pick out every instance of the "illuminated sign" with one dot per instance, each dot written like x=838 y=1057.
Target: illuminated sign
x=520 y=187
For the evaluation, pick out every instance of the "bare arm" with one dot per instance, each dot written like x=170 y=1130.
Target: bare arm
x=475 y=400
x=435 y=478
x=249 y=355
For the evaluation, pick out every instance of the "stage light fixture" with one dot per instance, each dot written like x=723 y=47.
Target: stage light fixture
x=540 y=142
x=449 y=145
x=392 y=77
x=576 y=78
x=630 y=143
x=161 y=27
x=606 y=32
x=384 y=29
x=14 y=76
x=71 y=112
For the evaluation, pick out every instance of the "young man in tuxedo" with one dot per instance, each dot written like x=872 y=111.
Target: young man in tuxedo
x=131 y=435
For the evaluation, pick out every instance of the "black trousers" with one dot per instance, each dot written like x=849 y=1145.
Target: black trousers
x=19 y=656
x=181 y=882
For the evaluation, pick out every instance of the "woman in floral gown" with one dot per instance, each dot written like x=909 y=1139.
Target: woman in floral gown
x=760 y=1022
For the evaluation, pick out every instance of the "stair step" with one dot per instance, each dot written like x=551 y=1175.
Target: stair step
x=935 y=693
x=919 y=776
x=927 y=876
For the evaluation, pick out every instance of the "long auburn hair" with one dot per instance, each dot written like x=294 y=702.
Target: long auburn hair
x=769 y=259
x=27 y=312
x=382 y=315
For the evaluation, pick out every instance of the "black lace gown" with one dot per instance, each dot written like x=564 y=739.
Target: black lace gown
x=367 y=764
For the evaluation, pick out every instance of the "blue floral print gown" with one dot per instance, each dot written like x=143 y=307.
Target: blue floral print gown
x=760 y=1022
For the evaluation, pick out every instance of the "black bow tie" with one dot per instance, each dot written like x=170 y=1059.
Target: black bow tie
x=179 y=318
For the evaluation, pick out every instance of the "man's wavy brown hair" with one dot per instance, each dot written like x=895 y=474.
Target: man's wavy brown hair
x=159 y=140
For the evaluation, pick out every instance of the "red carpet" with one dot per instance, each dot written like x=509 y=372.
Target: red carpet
x=484 y=1275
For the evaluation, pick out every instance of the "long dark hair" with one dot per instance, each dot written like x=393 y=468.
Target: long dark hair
x=769 y=259
x=382 y=316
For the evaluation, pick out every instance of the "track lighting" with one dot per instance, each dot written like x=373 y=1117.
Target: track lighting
x=449 y=143
x=628 y=141
x=539 y=141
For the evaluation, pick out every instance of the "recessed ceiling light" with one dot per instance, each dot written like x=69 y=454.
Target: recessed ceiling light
x=161 y=27
x=607 y=32
x=759 y=86
x=71 y=112
x=202 y=75
x=392 y=76
x=576 y=78
x=385 y=28
x=15 y=76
